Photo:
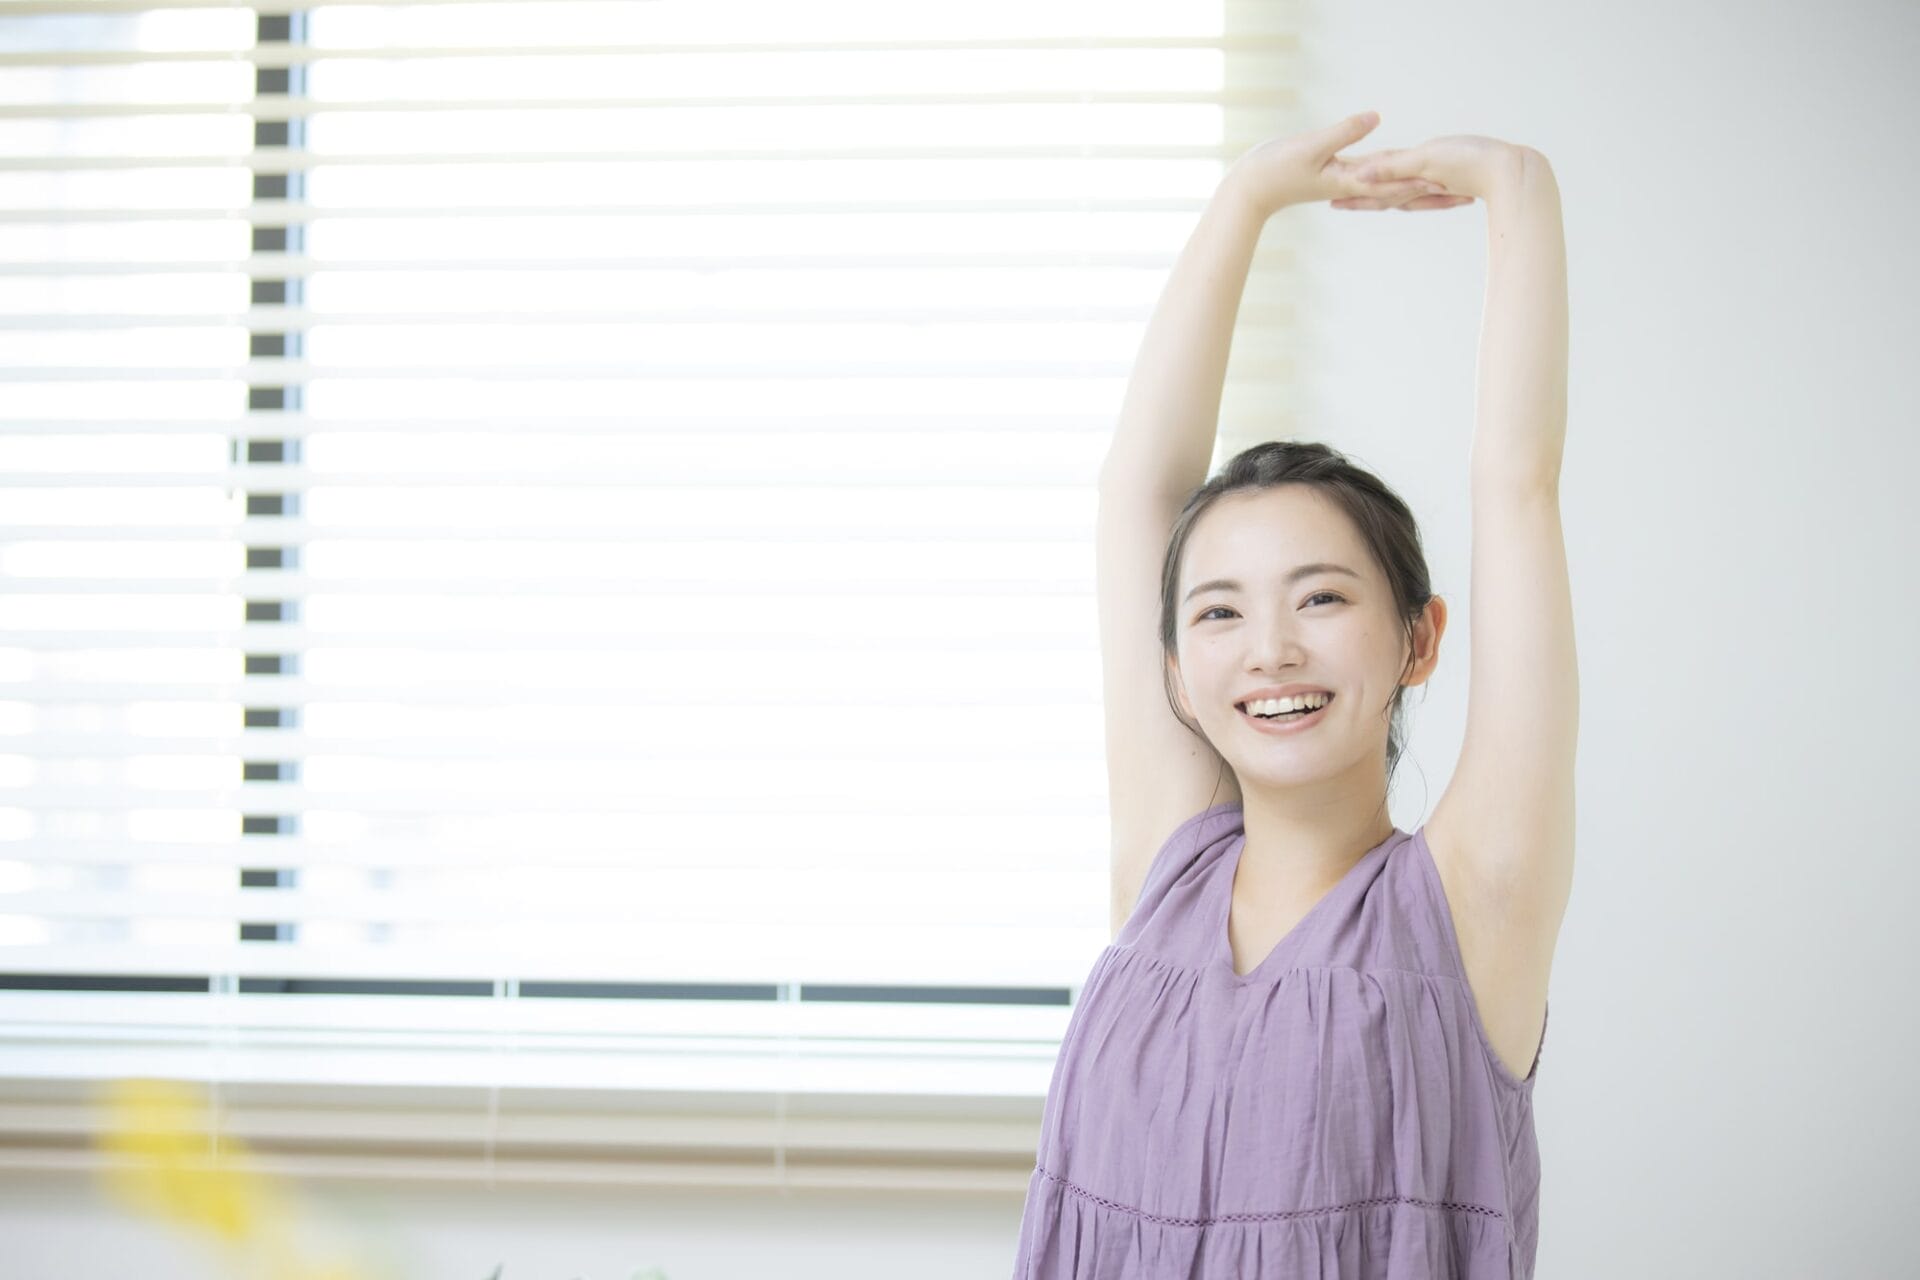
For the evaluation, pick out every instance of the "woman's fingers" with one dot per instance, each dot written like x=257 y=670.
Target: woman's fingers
x=1394 y=193
x=1338 y=137
x=1437 y=201
x=1383 y=166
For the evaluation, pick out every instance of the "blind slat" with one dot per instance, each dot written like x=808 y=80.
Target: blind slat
x=270 y=109
x=283 y=56
x=269 y=213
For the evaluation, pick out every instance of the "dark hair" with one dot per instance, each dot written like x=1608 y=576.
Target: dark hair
x=1383 y=520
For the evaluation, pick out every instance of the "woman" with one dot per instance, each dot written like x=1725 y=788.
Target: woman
x=1310 y=1050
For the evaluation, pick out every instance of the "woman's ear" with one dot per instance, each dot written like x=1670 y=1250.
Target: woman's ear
x=1427 y=630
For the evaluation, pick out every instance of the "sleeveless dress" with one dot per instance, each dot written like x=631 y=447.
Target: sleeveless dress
x=1338 y=1113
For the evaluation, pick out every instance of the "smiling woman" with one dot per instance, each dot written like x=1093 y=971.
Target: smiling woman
x=1287 y=955
x=1372 y=639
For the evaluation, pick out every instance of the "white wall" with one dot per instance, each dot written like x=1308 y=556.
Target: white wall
x=1725 y=1088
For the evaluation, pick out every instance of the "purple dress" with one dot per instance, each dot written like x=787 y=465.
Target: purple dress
x=1336 y=1114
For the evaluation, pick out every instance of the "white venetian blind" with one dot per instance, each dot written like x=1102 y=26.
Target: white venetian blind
x=550 y=543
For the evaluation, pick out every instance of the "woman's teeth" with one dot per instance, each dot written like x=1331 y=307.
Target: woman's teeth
x=1288 y=708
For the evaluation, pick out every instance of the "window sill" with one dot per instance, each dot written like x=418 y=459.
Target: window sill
x=463 y=1134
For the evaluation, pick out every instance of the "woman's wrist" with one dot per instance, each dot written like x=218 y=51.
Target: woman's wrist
x=1235 y=189
x=1513 y=171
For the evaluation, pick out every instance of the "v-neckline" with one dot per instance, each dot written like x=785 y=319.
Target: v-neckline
x=1223 y=936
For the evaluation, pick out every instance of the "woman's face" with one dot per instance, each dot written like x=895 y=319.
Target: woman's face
x=1310 y=607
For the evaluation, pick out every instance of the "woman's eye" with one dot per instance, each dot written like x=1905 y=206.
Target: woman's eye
x=1220 y=608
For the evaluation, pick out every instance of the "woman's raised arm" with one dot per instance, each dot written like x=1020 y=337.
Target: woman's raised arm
x=1163 y=442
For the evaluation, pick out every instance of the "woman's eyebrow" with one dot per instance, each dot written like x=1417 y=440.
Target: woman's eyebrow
x=1293 y=576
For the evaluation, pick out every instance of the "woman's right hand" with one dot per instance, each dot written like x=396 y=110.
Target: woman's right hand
x=1305 y=168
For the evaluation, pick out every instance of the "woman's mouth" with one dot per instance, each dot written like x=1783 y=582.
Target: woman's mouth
x=1288 y=722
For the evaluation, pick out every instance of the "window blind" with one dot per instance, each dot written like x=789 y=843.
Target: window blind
x=549 y=544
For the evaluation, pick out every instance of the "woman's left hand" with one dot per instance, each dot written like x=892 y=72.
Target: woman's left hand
x=1465 y=165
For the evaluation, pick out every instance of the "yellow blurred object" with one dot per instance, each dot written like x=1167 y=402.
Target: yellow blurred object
x=159 y=1128
x=165 y=1166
